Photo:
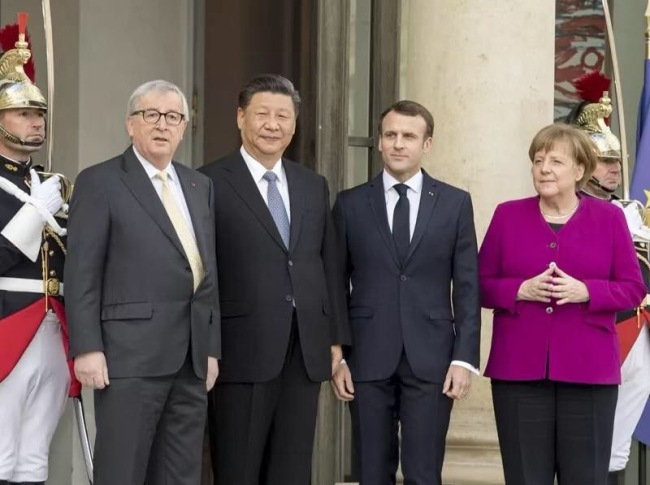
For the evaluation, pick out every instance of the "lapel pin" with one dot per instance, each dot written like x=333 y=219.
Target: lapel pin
x=430 y=193
x=193 y=184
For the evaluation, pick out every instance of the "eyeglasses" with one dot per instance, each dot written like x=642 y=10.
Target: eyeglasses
x=152 y=116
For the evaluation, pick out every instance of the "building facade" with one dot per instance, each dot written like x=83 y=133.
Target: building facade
x=484 y=69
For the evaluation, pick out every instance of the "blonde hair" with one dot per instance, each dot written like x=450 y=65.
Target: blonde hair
x=583 y=149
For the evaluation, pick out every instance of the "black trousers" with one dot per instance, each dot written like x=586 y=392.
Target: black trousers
x=150 y=430
x=263 y=433
x=548 y=429
x=423 y=412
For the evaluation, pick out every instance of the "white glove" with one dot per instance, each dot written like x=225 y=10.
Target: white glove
x=47 y=193
x=634 y=220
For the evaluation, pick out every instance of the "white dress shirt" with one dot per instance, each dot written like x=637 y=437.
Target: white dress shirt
x=174 y=184
x=258 y=170
x=414 y=194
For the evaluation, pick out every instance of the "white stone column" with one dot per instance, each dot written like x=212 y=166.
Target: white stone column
x=485 y=70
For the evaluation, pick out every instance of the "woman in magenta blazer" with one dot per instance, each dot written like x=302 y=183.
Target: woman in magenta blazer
x=556 y=268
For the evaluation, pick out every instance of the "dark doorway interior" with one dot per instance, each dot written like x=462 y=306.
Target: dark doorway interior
x=244 y=38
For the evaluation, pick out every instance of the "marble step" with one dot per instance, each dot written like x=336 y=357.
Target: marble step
x=478 y=464
x=469 y=465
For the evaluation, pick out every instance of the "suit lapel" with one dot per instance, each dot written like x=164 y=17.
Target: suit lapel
x=428 y=200
x=240 y=179
x=297 y=198
x=195 y=205
x=377 y=199
x=138 y=183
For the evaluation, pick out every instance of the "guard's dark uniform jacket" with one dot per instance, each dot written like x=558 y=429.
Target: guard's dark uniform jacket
x=25 y=310
x=629 y=323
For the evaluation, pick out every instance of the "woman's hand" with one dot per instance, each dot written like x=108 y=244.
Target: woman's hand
x=567 y=289
x=537 y=288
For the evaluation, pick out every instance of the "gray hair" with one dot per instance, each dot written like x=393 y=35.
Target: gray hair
x=160 y=86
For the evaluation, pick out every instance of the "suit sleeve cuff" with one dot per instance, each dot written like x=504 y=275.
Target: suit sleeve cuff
x=25 y=231
x=467 y=366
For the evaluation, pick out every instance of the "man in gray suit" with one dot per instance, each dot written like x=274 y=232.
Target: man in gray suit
x=143 y=299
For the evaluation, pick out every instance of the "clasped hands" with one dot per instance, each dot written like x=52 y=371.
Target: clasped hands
x=553 y=283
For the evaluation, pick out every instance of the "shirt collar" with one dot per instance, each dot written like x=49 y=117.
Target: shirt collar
x=258 y=170
x=153 y=171
x=414 y=183
x=15 y=167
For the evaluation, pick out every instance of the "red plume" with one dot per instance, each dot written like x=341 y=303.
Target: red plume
x=8 y=39
x=591 y=86
x=22 y=22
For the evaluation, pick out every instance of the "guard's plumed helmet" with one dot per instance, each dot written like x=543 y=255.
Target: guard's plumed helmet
x=592 y=114
x=17 y=90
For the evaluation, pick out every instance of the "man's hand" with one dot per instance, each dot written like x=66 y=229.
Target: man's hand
x=457 y=382
x=213 y=373
x=337 y=354
x=91 y=370
x=48 y=192
x=342 y=382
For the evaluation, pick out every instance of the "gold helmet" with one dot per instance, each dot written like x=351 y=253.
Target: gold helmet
x=16 y=88
x=592 y=113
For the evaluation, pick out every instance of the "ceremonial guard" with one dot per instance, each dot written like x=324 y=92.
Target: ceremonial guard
x=34 y=373
x=632 y=326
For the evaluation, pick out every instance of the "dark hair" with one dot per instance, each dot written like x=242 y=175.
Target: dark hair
x=410 y=108
x=583 y=148
x=269 y=83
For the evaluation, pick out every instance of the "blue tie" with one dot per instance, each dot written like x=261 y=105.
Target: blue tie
x=276 y=207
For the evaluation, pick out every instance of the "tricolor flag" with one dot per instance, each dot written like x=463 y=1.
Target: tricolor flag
x=640 y=190
x=640 y=185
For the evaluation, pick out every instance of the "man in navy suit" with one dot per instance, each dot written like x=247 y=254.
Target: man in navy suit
x=410 y=259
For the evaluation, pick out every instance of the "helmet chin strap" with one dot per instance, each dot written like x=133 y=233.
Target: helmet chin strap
x=594 y=184
x=14 y=139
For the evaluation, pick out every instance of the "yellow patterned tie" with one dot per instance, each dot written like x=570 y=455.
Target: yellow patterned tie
x=182 y=230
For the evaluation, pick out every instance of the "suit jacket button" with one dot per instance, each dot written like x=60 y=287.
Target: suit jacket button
x=288 y=298
x=290 y=263
x=402 y=277
x=553 y=245
x=549 y=310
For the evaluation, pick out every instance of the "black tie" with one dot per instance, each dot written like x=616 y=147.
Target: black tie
x=401 y=224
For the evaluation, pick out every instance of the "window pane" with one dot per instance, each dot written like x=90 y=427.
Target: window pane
x=357 y=166
x=359 y=101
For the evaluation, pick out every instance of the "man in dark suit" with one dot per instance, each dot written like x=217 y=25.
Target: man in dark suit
x=282 y=306
x=410 y=254
x=143 y=313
